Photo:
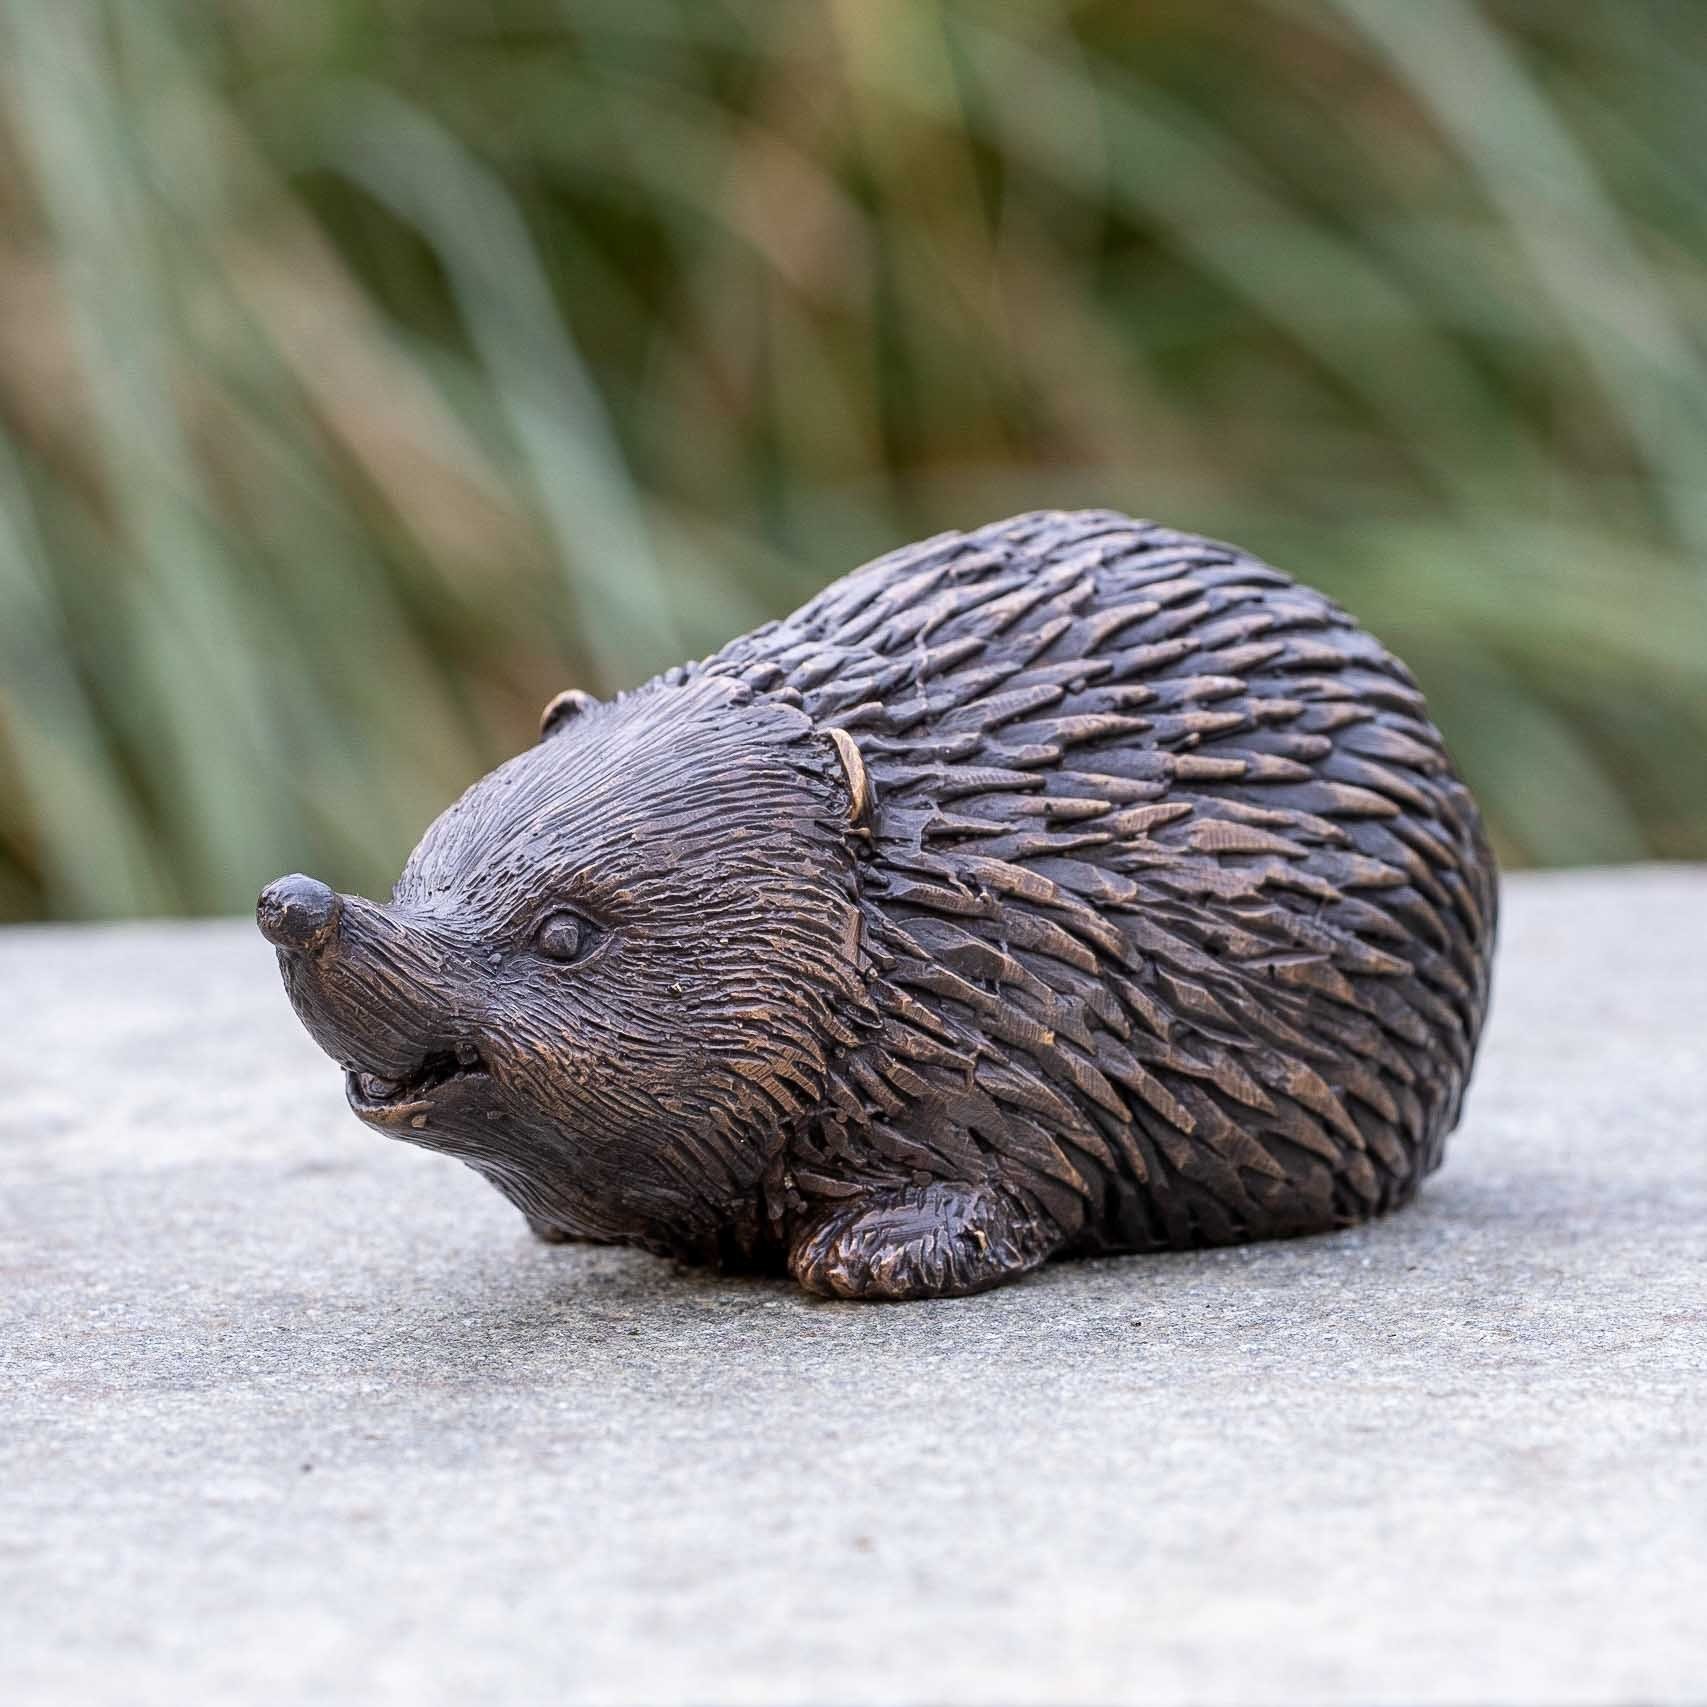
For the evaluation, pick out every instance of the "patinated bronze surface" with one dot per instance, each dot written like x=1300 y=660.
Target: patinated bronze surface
x=1069 y=886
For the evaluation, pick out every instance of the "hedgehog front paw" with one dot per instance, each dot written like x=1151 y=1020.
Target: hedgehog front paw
x=935 y=1241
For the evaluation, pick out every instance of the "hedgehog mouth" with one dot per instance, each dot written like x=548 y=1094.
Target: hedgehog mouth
x=386 y=1102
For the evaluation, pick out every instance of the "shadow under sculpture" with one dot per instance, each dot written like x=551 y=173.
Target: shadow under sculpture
x=1070 y=886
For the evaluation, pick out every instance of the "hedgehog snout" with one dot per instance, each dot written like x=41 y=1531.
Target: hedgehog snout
x=296 y=913
x=381 y=990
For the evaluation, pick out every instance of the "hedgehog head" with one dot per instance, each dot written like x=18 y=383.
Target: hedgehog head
x=610 y=974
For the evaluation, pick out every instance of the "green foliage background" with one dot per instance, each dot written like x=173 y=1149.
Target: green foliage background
x=371 y=369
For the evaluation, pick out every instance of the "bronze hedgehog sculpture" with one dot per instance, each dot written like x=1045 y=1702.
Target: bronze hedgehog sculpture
x=1067 y=887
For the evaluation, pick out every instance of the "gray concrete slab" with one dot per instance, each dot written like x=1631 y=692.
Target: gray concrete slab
x=292 y=1414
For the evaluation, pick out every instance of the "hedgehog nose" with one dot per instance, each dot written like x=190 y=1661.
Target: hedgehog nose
x=296 y=912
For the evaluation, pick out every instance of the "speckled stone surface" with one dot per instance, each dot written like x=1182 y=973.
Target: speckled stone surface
x=291 y=1414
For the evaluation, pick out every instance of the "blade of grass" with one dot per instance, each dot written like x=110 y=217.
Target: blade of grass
x=590 y=502
x=94 y=849
x=1580 y=252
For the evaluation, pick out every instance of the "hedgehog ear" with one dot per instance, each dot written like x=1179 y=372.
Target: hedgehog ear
x=862 y=799
x=567 y=705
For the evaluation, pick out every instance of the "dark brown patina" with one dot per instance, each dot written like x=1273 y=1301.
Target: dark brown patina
x=1069 y=886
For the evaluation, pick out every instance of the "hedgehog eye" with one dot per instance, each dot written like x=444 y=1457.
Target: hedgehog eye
x=563 y=936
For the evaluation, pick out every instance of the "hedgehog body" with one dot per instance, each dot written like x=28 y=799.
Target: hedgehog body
x=1068 y=886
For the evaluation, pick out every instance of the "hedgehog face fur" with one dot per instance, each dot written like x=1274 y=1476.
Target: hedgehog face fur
x=1069 y=886
x=604 y=975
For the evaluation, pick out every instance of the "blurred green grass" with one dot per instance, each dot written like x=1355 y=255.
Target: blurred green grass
x=371 y=369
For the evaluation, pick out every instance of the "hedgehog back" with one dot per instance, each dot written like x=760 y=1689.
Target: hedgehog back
x=1178 y=917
